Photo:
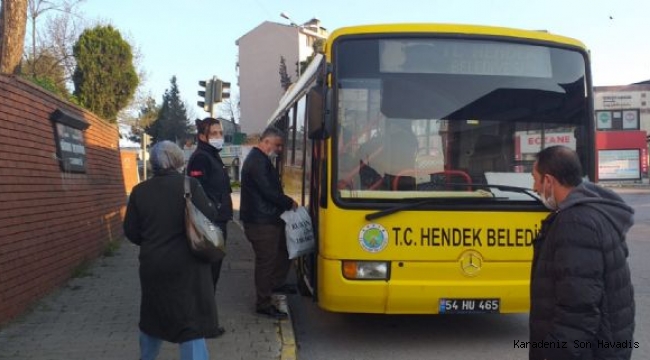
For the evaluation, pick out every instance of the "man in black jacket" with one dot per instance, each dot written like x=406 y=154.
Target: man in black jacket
x=206 y=165
x=262 y=203
x=582 y=300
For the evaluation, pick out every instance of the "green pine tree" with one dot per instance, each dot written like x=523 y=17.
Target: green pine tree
x=285 y=79
x=172 y=122
x=105 y=78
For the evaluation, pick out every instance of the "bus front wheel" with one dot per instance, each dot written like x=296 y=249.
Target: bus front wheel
x=304 y=273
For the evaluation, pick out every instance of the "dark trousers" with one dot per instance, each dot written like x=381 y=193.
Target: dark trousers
x=271 y=259
x=216 y=266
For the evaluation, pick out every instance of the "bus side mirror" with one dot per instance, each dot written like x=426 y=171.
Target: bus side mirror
x=318 y=119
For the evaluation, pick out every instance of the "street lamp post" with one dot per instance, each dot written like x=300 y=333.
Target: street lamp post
x=284 y=15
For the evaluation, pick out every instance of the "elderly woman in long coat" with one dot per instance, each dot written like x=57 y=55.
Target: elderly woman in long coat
x=177 y=302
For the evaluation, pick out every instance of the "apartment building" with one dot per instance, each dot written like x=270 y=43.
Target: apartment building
x=622 y=125
x=260 y=51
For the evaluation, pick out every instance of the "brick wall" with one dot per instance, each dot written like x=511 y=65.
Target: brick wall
x=51 y=222
x=130 y=170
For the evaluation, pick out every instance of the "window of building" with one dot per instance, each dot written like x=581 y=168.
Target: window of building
x=627 y=119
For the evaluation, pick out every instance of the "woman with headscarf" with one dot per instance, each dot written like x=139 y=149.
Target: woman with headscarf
x=177 y=303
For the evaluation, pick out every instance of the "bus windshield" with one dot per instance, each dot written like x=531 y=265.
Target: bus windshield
x=427 y=117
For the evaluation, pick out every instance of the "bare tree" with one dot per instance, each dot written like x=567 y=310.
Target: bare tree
x=140 y=120
x=131 y=115
x=230 y=108
x=191 y=113
x=142 y=111
x=58 y=34
x=139 y=113
x=142 y=98
x=13 y=23
x=47 y=71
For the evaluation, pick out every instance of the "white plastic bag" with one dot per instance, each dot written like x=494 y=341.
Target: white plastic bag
x=299 y=232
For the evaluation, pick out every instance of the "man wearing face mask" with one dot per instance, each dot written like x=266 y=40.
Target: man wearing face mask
x=582 y=299
x=262 y=203
x=206 y=165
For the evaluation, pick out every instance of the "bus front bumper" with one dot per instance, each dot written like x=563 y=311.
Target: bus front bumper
x=417 y=287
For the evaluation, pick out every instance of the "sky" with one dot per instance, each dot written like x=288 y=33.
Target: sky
x=195 y=39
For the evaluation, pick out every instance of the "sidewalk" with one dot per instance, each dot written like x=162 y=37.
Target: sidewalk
x=96 y=316
x=627 y=188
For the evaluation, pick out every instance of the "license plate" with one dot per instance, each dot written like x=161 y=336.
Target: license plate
x=469 y=306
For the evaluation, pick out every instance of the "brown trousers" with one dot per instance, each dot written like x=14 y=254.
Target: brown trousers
x=271 y=259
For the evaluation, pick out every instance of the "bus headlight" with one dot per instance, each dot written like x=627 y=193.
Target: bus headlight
x=362 y=270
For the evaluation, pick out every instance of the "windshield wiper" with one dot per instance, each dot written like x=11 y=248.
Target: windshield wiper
x=515 y=189
x=414 y=205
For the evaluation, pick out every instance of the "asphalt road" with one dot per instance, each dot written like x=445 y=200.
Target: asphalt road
x=321 y=335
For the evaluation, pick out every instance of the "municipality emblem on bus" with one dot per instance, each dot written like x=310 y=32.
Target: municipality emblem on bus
x=373 y=238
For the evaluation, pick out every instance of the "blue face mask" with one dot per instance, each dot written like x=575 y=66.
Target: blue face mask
x=216 y=143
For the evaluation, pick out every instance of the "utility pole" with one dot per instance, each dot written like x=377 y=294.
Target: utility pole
x=145 y=143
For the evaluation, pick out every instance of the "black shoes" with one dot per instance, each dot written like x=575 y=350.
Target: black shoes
x=273 y=312
x=285 y=289
x=220 y=331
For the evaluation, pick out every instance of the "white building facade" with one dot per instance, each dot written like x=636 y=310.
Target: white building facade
x=260 y=51
x=635 y=97
x=622 y=118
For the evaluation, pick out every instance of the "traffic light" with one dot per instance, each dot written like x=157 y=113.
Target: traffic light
x=215 y=92
x=207 y=95
x=222 y=90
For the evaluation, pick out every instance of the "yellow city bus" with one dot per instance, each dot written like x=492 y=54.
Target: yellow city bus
x=412 y=146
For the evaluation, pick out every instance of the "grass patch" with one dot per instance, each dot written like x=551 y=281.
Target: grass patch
x=111 y=247
x=82 y=270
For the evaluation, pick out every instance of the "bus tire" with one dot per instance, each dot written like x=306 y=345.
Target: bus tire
x=303 y=275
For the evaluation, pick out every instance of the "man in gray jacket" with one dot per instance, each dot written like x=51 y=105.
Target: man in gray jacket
x=582 y=300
